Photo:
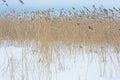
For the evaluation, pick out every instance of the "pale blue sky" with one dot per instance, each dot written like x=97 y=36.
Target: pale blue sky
x=44 y=4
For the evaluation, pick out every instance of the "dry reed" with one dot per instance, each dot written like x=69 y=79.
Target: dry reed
x=100 y=27
x=73 y=26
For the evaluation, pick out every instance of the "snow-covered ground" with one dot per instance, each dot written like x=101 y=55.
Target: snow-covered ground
x=63 y=63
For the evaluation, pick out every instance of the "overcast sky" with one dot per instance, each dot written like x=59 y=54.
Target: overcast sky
x=44 y=4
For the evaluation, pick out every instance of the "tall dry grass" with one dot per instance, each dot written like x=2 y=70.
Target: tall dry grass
x=99 y=26
x=98 y=30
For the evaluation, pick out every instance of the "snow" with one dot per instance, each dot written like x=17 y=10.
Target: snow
x=78 y=64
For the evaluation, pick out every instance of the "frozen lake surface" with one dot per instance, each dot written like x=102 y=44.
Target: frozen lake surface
x=60 y=63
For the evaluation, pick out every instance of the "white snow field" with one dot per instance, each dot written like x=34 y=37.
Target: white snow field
x=64 y=63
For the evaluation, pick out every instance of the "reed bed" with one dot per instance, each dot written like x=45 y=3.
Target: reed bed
x=57 y=36
x=100 y=26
